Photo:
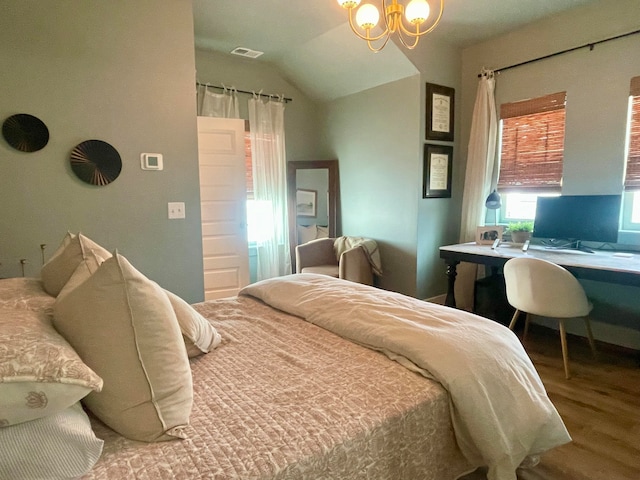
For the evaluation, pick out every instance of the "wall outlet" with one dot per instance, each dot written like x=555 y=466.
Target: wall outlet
x=176 y=210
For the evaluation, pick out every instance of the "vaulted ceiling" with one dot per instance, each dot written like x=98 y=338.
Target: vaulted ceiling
x=311 y=43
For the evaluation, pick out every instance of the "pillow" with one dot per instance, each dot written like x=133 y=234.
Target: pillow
x=57 y=271
x=25 y=293
x=87 y=267
x=306 y=233
x=199 y=335
x=40 y=374
x=65 y=241
x=58 y=446
x=123 y=326
x=323 y=232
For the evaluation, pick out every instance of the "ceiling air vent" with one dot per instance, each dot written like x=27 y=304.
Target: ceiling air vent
x=246 y=52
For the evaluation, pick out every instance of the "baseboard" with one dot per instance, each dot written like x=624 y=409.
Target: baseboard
x=624 y=337
x=439 y=299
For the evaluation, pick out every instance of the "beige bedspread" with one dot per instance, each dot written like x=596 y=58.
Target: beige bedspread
x=500 y=409
x=284 y=399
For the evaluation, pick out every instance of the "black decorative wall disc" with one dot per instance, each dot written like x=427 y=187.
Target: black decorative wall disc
x=25 y=132
x=95 y=162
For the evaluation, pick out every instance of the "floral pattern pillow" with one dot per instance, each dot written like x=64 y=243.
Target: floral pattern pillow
x=40 y=373
x=25 y=293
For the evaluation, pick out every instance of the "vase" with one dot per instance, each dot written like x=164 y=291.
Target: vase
x=520 y=237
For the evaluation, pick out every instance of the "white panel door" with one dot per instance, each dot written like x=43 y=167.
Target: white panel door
x=223 y=197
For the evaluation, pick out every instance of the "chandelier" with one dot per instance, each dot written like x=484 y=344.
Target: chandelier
x=367 y=17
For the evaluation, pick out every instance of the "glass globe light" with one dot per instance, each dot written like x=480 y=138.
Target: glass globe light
x=417 y=11
x=367 y=16
x=348 y=3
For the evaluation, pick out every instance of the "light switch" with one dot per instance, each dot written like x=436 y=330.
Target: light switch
x=176 y=210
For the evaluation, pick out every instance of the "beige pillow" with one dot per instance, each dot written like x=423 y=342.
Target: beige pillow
x=87 y=267
x=65 y=241
x=123 y=326
x=199 y=335
x=58 y=446
x=57 y=271
x=306 y=233
x=323 y=232
x=40 y=374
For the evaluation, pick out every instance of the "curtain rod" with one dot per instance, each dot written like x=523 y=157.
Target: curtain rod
x=590 y=46
x=284 y=99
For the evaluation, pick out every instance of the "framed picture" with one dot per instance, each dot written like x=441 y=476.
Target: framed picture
x=436 y=181
x=489 y=234
x=440 y=109
x=306 y=202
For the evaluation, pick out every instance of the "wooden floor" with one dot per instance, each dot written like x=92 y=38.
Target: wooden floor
x=600 y=406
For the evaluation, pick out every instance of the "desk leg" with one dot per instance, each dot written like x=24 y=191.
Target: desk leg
x=450 y=300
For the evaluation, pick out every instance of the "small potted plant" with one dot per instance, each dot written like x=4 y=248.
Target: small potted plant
x=521 y=231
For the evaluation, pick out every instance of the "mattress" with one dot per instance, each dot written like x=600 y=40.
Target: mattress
x=282 y=398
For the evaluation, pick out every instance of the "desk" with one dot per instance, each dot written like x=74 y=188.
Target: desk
x=603 y=266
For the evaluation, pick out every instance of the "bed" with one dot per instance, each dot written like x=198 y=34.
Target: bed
x=312 y=377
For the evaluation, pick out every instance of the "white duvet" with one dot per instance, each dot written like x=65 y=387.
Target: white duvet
x=500 y=410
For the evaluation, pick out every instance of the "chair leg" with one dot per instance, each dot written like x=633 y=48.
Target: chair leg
x=565 y=353
x=526 y=326
x=592 y=342
x=514 y=319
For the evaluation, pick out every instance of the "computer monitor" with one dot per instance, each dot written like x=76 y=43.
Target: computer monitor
x=577 y=218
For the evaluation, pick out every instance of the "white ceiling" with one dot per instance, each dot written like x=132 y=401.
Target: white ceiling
x=311 y=43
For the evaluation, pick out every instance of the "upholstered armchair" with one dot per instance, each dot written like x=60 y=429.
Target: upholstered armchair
x=318 y=256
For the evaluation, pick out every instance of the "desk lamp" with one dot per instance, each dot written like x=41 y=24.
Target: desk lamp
x=493 y=203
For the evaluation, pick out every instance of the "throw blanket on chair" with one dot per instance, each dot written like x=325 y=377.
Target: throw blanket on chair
x=342 y=244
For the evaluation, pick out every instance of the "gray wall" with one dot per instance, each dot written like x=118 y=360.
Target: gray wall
x=597 y=86
x=376 y=136
x=438 y=218
x=122 y=72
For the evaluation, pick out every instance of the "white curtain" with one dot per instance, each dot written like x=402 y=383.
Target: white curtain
x=222 y=105
x=266 y=124
x=478 y=179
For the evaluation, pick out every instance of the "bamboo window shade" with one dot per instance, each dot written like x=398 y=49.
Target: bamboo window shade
x=532 y=144
x=632 y=176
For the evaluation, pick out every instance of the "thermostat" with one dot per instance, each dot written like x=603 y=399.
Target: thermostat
x=151 y=161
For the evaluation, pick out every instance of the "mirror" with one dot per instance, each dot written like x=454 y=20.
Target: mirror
x=312 y=197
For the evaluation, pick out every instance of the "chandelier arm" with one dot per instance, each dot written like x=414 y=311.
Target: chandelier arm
x=416 y=39
x=394 y=22
x=418 y=33
x=376 y=50
x=366 y=37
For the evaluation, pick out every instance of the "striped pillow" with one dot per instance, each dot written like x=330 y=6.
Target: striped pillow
x=58 y=446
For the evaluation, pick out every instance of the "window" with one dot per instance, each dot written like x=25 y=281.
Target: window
x=531 y=153
x=259 y=212
x=631 y=203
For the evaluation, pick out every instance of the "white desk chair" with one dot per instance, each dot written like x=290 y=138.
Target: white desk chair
x=539 y=287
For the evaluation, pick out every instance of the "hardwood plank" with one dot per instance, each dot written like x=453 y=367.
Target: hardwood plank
x=600 y=406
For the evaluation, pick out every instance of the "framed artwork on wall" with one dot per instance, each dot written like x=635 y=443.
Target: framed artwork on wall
x=440 y=112
x=436 y=182
x=306 y=202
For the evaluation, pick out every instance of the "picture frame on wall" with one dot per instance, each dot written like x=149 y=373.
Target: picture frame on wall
x=486 y=235
x=306 y=202
x=440 y=112
x=438 y=160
